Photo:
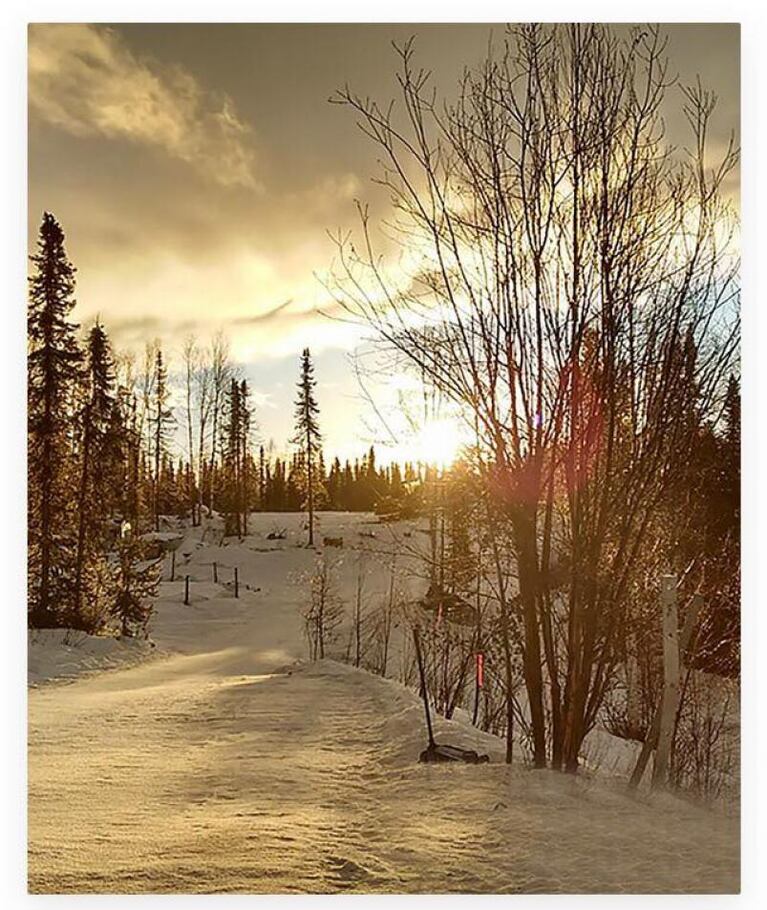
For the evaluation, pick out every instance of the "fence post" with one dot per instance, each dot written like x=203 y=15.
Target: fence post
x=172 y=565
x=670 y=677
x=236 y=583
x=186 y=591
x=215 y=573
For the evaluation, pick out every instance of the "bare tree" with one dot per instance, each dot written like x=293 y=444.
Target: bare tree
x=221 y=373
x=324 y=612
x=203 y=393
x=566 y=274
x=190 y=358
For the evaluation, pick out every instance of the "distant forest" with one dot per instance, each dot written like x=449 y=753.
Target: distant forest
x=103 y=465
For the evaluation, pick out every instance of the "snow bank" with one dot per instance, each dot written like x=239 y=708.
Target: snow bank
x=57 y=654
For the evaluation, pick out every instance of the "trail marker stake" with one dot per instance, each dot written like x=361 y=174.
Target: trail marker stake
x=236 y=583
x=186 y=591
x=671 y=679
x=651 y=740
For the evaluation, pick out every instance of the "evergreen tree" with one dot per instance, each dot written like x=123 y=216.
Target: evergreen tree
x=263 y=476
x=307 y=434
x=246 y=417
x=99 y=463
x=135 y=586
x=54 y=362
x=334 y=485
x=277 y=490
x=238 y=458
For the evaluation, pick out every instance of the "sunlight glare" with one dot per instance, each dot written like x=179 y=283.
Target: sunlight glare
x=437 y=442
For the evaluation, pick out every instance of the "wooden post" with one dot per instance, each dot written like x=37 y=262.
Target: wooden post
x=172 y=565
x=236 y=583
x=651 y=740
x=670 y=679
x=186 y=591
x=215 y=573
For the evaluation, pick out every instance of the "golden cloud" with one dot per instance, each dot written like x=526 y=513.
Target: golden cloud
x=85 y=80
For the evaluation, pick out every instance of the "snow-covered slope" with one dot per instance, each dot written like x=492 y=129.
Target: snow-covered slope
x=231 y=765
x=66 y=654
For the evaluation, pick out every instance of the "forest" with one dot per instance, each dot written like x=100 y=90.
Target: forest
x=104 y=449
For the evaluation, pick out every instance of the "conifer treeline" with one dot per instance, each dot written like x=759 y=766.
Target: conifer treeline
x=103 y=456
x=83 y=454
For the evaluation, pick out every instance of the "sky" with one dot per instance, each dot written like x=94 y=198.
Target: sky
x=197 y=171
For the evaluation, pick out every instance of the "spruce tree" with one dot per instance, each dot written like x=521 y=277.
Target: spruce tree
x=307 y=434
x=246 y=473
x=263 y=475
x=135 y=586
x=238 y=459
x=99 y=462
x=54 y=361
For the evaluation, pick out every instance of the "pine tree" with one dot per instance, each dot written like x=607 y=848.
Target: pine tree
x=307 y=434
x=246 y=418
x=54 y=362
x=263 y=477
x=238 y=457
x=135 y=586
x=334 y=485
x=99 y=463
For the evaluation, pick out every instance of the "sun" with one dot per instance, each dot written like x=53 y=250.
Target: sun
x=438 y=442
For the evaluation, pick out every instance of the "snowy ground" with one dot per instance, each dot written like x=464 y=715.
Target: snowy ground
x=66 y=654
x=224 y=765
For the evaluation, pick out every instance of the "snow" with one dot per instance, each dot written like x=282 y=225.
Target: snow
x=167 y=537
x=229 y=763
x=65 y=654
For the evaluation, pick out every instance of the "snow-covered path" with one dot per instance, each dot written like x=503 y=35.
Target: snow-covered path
x=230 y=768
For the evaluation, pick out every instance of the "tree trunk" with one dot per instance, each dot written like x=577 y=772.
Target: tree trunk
x=310 y=480
x=82 y=519
x=523 y=523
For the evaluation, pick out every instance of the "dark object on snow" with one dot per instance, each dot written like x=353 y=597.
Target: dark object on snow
x=435 y=752
x=333 y=542
x=450 y=606
x=277 y=535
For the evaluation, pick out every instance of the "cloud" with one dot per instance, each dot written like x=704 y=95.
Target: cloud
x=85 y=80
x=261 y=317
